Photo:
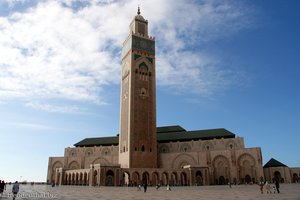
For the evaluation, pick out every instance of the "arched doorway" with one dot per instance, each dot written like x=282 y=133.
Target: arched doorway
x=199 y=178
x=173 y=179
x=80 y=179
x=183 y=178
x=165 y=179
x=221 y=180
x=95 y=178
x=58 y=177
x=126 y=179
x=155 y=179
x=77 y=179
x=73 y=179
x=277 y=176
x=55 y=166
x=221 y=169
x=247 y=179
x=295 y=178
x=135 y=178
x=145 y=178
x=109 y=180
x=85 y=179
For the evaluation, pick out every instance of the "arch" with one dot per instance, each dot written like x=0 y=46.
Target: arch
x=247 y=179
x=246 y=166
x=221 y=169
x=72 y=153
x=183 y=159
x=278 y=177
x=183 y=178
x=77 y=179
x=55 y=165
x=70 y=179
x=221 y=180
x=155 y=178
x=164 y=149
x=89 y=152
x=100 y=160
x=135 y=178
x=244 y=157
x=185 y=147
x=85 y=179
x=106 y=151
x=73 y=178
x=95 y=182
x=80 y=178
x=231 y=144
x=143 y=92
x=174 y=179
x=126 y=179
x=109 y=179
x=199 y=178
x=295 y=178
x=165 y=178
x=207 y=146
x=74 y=165
x=143 y=67
x=145 y=178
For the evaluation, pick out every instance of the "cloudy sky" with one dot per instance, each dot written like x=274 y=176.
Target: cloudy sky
x=220 y=64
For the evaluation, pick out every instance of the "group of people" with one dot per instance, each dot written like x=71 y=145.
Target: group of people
x=268 y=187
x=15 y=189
x=139 y=187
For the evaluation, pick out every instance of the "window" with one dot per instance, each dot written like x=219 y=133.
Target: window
x=141 y=28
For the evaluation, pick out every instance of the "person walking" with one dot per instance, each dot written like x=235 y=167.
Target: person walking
x=268 y=187
x=168 y=187
x=15 y=189
x=261 y=187
x=277 y=185
x=145 y=186
x=2 y=188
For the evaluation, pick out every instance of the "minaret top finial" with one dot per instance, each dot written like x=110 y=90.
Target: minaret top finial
x=139 y=11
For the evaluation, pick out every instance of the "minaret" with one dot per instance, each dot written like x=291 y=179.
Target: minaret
x=137 y=140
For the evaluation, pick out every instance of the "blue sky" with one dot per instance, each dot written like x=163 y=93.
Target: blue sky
x=220 y=64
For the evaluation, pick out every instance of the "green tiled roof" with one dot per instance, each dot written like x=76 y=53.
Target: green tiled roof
x=104 y=141
x=164 y=134
x=274 y=163
x=167 y=129
x=195 y=135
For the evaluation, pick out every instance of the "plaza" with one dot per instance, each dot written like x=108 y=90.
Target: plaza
x=223 y=192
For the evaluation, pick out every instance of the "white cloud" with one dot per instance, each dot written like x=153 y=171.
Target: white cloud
x=51 y=51
x=56 y=108
x=32 y=126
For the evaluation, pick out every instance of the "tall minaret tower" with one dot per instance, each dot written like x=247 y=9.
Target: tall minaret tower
x=137 y=140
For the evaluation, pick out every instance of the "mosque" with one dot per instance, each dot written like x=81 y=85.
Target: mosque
x=170 y=155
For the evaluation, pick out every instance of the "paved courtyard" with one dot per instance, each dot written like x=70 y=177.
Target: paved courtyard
x=249 y=192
